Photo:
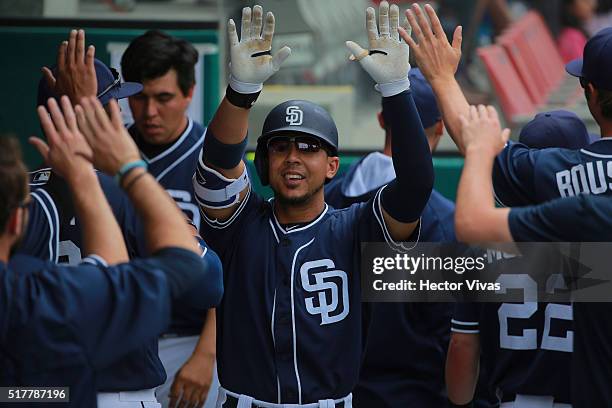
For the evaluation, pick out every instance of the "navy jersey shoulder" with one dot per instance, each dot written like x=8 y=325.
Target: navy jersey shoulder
x=301 y=292
x=61 y=324
x=174 y=168
x=556 y=220
x=54 y=233
x=360 y=182
x=523 y=176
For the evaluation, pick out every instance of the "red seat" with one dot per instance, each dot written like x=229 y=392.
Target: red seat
x=535 y=56
x=513 y=97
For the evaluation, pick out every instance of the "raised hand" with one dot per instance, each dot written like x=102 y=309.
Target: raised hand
x=387 y=60
x=252 y=62
x=435 y=56
x=109 y=140
x=75 y=74
x=481 y=131
x=67 y=152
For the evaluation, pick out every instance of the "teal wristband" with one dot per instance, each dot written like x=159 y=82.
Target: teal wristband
x=127 y=167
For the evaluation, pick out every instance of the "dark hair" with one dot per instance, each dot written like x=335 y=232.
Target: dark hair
x=604 y=100
x=570 y=20
x=154 y=53
x=13 y=178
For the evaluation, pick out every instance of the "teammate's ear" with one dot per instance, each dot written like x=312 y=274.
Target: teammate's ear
x=381 y=120
x=14 y=225
x=190 y=92
x=439 y=128
x=333 y=164
x=590 y=91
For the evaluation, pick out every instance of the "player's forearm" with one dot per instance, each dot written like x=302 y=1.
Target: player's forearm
x=462 y=365
x=406 y=196
x=163 y=221
x=452 y=105
x=476 y=218
x=207 y=343
x=230 y=123
x=101 y=233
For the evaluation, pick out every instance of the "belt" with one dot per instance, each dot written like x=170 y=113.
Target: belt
x=109 y=399
x=534 y=401
x=228 y=399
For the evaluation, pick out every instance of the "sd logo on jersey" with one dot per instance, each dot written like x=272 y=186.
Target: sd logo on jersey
x=332 y=311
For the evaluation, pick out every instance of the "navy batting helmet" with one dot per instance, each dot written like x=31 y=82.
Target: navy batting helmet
x=295 y=116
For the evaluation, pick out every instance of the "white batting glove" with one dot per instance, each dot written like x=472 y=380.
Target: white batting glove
x=251 y=60
x=387 y=58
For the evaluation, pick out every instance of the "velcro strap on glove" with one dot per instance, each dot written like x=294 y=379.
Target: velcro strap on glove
x=393 y=88
x=244 y=87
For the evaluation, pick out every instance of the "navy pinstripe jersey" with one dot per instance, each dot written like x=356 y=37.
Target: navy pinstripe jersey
x=526 y=348
x=403 y=337
x=54 y=234
x=175 y=166
x=578 y=219
x=38 y=298
x=523 y=176
x=291 y=325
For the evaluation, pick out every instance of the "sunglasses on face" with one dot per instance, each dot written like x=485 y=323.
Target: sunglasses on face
x=304 y=144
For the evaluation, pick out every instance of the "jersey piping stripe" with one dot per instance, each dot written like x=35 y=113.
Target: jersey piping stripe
x=180 y=159
x=224 y=224
x=464 y=323
x=94 y=259
x=383 y=225
x=498 y=201
x=205 y=250
x=175 y=146
x=301 y=228
x=273 y=231
x=464 y=331
x=601 y=156
x=297 y=374
x=53 y=226
x=274 y=343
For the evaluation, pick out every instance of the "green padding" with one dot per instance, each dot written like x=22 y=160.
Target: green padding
x=30 y=48
x=448 y=171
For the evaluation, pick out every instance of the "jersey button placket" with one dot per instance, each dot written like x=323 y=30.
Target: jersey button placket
x=283 y=325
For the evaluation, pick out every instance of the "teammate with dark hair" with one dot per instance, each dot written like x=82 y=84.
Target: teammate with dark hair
x=522 y=175
x=170 y=142
x=576 y=219
x=61 y=324
x=292 y=264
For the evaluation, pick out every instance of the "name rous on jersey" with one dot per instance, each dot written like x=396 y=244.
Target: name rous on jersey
x=585 y=178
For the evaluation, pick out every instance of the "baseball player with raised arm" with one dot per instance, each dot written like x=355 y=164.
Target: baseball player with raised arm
x=292 y=264
x=61 y=324
x=581 y=218
x=523 y=176
x=424 y=329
